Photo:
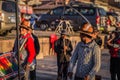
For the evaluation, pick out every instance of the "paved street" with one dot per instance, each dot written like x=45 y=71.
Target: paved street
x=47 y=69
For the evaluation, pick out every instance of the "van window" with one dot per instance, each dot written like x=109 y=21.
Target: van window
x=102 y=12
x=8 y=6
x=58 y=11
x=87 y=11
x=70 y=12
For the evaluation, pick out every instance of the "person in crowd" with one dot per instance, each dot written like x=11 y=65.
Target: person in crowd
x=113 y=20
x=22 y=18
x=63 y=48
x=118 y=26
x=33 y=20
x=113 y=44
x=87 y=54
x=52 y=39
x=27 y=49
x=37 y=50
x=97 y=38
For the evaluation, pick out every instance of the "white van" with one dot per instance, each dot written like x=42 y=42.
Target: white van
x=7 y=16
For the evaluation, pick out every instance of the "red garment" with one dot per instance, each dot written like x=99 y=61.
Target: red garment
x=53 y=38
x=29 y=46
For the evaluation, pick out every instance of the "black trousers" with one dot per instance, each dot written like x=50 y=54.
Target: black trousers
x=115 y=68
x=33 y=75
x=62 y=71
x=77 y=78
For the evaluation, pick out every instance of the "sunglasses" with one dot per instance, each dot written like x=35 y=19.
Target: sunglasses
x=85 y=35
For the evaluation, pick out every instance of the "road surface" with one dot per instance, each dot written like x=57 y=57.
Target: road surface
x=47 y=69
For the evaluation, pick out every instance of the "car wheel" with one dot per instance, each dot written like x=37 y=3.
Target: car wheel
x=43 y=26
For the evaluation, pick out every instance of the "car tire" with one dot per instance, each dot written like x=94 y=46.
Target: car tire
x=43 y=26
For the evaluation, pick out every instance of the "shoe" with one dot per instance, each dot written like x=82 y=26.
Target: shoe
x=59 y=78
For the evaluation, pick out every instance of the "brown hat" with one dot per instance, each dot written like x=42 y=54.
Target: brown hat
x=25 y=24
x=87 y=29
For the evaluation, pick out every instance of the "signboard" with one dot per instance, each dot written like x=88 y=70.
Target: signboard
x=26 y=9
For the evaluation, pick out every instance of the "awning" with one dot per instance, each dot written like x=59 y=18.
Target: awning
x=26 y=9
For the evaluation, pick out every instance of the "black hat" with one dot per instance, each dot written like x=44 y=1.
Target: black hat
x=63 y=32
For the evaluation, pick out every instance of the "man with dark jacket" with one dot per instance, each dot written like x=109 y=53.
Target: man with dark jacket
x=63 y=48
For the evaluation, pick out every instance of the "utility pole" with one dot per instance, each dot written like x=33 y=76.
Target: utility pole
x=17 y=32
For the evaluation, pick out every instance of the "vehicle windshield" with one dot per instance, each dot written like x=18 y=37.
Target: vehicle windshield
x=87 y=11
x=8 y=6
x=112 y=13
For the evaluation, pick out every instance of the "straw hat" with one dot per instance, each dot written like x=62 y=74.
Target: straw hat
x=25 y=24
x=87 y=29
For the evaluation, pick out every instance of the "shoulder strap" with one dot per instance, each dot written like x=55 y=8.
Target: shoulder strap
x=21 y=47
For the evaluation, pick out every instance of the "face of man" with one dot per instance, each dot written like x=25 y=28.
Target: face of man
x=23 y=31
x=30 y=31
x=118 y=24
x=85 y=38
x=63 y=36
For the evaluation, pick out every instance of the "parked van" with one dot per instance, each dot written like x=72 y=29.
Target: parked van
x=7 y=16
x=95 y=15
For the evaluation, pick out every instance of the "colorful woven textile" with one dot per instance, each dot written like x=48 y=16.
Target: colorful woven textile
x=8 y=66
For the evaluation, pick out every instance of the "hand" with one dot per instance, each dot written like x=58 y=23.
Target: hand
x=87 y=77
x=70 y=74
x=65 y=48
x=113 y=36
x=27 y=67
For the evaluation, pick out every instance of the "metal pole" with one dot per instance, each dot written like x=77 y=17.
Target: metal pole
x=27 y=7
x=17 y=32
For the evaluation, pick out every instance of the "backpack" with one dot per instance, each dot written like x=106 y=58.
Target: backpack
x=36 y=44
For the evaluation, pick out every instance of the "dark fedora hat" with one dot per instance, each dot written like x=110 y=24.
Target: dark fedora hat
x=63 y=32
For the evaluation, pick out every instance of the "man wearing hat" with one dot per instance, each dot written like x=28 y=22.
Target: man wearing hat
x=63 y=48
x=37 y=50
x=87 y=54
x=27 y=50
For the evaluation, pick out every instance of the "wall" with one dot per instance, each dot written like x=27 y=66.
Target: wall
x=7 y=45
